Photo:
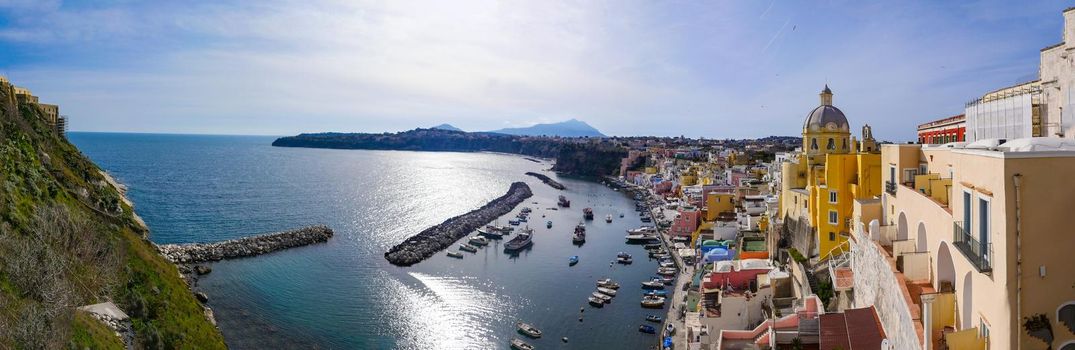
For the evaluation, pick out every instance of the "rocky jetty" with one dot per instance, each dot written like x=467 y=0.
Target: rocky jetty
x=436 y=238
x=547 y=180
x=244 y=247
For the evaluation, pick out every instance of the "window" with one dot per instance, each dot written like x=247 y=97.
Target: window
x=832 y=197
x=833 y=217
x=845 y=143
x=923 y=168
x=832 y=236
x=983 y=226
x=813 y=143
x=892 y=173
x=983 y=329
x=966 y=212
x=831 y=144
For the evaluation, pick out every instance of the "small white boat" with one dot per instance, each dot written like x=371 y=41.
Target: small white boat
x=528 y=330
x=607 y=291
x=604 y=298
x=653 y=285
x=478 y=241
x=652 y=302
x=468 y=248
x=608 y=218
x=456 y=255
x=608 y=283
x=597 y=302
x=518 y=344
x=626 y=260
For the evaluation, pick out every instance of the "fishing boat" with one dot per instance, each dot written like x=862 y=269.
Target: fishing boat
x=520 y=241
x=646 y=219
x=518 y=344
x=573 y=260
x=528 y=330
x=667 y=263
x=608 y=218
x=527 y=230
x=596 y=302
x=666 y=280
x=493 y=234
x=640 y=230
x=605 y=298
x=457 y=255
x=587 y=213
x=579 y=236
x=657 y=293
x=667 y=271
x=652 y=246
x=468 y=248
x=623 y=255
x=607 y=291
x=608 y=283
x=654 y=318
x=652 y=285
x=548 y=224
x=478 y=241
x=652 y=302
x=647 y=329
x=563 y=202
x=640 y=238
x=626 y=260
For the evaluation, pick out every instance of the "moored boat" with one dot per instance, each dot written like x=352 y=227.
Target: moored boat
x=548 y=224
x=596 y=302
x=653 y=285
x=528 y=330
x=656 y=293
x=518 y=344
x=640 y=238
x=478 y=241
x=468 y=248
x=668 y=271
x=573 y=260
x=608 y=218
x=587 y=213
x=654 y=318
x=647 y=329
x=520 y=241
x=563 y=202
x=604 y=298
x=652 y=302
x=486 y=232
x=608 y=283
x=626 y=260
x=456 y=255
x=607 y=291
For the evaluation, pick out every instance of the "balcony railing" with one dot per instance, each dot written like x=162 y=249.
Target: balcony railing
x=978 y=253
x=890 y=187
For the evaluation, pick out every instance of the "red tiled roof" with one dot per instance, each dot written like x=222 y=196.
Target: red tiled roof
x=854 y=329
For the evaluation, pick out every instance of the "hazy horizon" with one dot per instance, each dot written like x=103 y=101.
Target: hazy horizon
x=713 y=70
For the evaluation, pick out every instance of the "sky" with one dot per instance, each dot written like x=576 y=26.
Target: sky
x=713 y=69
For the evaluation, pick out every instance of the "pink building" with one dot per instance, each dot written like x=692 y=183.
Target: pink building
x=686 y=222
x=736 y=274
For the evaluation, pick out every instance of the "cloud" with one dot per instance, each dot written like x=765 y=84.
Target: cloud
x=628 y=68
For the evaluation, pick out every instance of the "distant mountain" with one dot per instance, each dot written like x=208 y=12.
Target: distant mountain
x=446 y=127
x=569 y=128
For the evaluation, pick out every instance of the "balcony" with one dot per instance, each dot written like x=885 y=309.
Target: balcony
x=890 y=187
x=977 y=252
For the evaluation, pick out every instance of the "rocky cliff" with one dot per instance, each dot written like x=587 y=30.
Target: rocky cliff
x=68 y=239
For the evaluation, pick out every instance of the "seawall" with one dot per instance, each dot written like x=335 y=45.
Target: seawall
x=246 y=246
x=547 y=180
x=440 y=236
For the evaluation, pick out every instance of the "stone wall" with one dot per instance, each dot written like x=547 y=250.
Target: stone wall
x=244 y=247
x=876 y=284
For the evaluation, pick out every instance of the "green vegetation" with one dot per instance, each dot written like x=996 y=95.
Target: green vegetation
x=824 y=291
x=795 y=255
x=67 y=239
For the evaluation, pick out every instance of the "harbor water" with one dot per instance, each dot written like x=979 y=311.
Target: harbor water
x=343 y=294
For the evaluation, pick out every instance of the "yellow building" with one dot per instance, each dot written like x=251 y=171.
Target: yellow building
x=821 y=183
x=717 y=203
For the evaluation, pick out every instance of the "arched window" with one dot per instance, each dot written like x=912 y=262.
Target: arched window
x=845 y=144
x=813 y=143
x=831 y=144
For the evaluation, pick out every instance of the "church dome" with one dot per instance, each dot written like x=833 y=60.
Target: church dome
x=826 y=117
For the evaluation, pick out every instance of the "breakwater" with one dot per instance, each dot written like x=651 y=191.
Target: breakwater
x=547 y=180
x=246 y=246
x=440 y=236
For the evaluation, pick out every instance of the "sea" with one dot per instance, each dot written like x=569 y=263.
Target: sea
x=343 y=294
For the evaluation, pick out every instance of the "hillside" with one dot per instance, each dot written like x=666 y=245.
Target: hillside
x=68 y=239
x=446 y=126
x=573 y=156
x=567 y=128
